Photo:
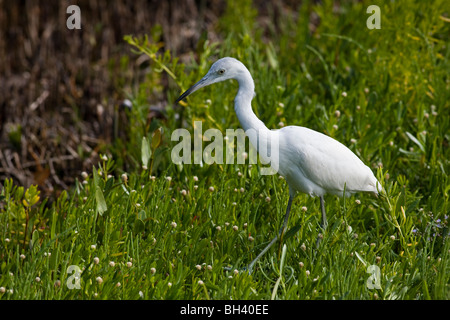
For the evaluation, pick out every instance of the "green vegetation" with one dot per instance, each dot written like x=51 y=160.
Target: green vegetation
x=165 y=231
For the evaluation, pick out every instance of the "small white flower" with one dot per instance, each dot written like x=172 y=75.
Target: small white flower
x=153 y=270
x=84 y=175
x=267 y=199
x=235 y=228
x=112 y=263
x=392 y=237
x=357 y=201
x=124 y=177
x=242 y=190
x=169 y=179
x=301 y=264
x=99 y=280
x=22 y=256
x=200 y=282
x=211 y=189
x=209 y=267
x=129 y=264
x=141 y=294
x=304 y=209
x=199 y=267
x=303 y=247
x=218 y=228
x=195 y=178
x=183 y=192
x=38 y=279
x=169 y=284
x=173 y=224
x=307 y=272
x=337 y=113
x=93 y=246
x=96 y=260
x=335 y=126
x=2 y=290
x=104 y=157
x=250 y=238
x=236 y=271
x=344 y=94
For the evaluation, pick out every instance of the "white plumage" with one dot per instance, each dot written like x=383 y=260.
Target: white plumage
x=311 y=162
x=316 y=164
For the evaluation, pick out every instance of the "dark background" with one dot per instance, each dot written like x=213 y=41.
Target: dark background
x=59 y=87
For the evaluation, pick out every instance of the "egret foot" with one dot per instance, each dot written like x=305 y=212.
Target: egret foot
x=280 y=235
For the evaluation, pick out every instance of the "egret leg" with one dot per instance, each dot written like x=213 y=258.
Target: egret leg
x=324 y=214
x=279 y=235
x=324 y=218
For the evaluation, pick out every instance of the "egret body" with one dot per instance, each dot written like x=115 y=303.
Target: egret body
x=310 y=161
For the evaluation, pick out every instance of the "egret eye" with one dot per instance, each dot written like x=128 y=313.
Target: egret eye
x=221 y=71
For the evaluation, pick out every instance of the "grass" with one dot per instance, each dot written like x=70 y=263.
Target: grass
x=142 y=235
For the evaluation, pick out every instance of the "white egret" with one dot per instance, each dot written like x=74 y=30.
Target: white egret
x=310 y=161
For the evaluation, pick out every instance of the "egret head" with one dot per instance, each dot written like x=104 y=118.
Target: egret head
x=223 y=69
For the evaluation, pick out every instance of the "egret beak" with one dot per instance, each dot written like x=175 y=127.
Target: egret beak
x=202 y=83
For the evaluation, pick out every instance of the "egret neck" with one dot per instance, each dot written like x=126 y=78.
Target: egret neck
x=255 y=129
